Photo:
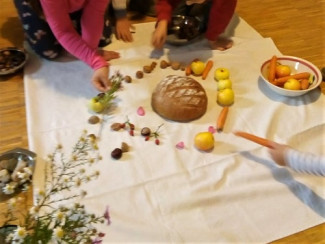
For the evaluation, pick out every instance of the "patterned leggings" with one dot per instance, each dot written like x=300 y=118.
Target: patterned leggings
x=40 y=37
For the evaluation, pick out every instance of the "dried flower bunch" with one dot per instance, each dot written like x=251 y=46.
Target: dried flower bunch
x=56 y=216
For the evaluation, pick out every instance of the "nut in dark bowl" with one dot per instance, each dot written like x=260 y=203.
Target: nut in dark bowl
x=183 y=30
x=16 y=171
x=12 y=59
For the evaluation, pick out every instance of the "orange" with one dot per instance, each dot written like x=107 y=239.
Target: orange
x=282 y=70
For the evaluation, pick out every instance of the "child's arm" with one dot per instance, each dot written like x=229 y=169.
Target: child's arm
x=305 y=162
x=299 y=161
x=123 y=26
x=85 y=47
x=220 y=16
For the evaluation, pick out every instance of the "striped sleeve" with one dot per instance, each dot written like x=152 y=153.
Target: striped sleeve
x=120 y=8
x=305 y=162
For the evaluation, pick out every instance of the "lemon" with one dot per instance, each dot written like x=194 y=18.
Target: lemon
x=204 y=141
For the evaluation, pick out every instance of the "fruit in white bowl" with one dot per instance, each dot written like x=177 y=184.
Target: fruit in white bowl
x=282 y=70
x=292 y=84
x=297 y=66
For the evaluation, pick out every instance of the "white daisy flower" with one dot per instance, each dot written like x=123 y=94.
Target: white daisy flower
x=20 y=233
x=58 y=233
x=9 y=188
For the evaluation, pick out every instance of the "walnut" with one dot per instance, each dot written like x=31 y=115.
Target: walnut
x=175 y=65
x=139 y=74
x=164 y=64
x=147 y=69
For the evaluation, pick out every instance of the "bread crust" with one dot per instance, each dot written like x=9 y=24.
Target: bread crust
x=179 y=98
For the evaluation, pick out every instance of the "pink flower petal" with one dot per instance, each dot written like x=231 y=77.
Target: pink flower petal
x=212 y=129
x=141 y=111
x=180 y=145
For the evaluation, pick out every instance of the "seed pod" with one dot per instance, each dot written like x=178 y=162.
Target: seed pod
x=93 y=120
x=116 y=153
x=101 y=95
x=116 y=126
x=139 y=74
x=145 y=131
x=92 y=137
x=128 y=79
x=124 y=147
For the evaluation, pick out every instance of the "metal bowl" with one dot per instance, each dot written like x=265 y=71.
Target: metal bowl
x=12 y=59
x=11 y=159
x=183 y=30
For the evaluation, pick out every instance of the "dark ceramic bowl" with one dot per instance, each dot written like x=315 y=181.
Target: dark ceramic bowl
x=12 y=59
x=183 y=30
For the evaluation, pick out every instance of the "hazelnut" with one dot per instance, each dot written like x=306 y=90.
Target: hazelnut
x=175 y=65
x=116 y=153
x=147 y=69
x=164 y=64
x=145 y=131
x=128 y=79
x=93 y=120
x=116 y=126
x=139 y=74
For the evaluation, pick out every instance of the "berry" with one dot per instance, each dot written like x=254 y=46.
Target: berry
x=122 y=125
x=131 y=132
x=157 y=141
x=131 y=126
x=147 y=138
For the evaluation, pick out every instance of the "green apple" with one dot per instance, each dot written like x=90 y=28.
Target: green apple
x=221 y=74
x=292 y=84
x=225 y=97
x=223 y=84
x=95 y=105
x=197 y=67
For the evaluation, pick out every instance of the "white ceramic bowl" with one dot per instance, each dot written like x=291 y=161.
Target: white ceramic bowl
x=297 y=65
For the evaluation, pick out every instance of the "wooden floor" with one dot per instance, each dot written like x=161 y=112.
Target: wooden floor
x=297 y=28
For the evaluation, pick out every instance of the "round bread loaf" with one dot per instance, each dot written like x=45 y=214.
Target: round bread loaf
x=179 y=98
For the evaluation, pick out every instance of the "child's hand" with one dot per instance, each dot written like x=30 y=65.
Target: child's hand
x=123 y=30
x=108 y=55
x=278 y=152
x=100 y=79
x=221 y=44
x=160 y=34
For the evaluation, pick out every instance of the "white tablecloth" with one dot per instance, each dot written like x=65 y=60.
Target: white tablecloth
x=234 y=193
